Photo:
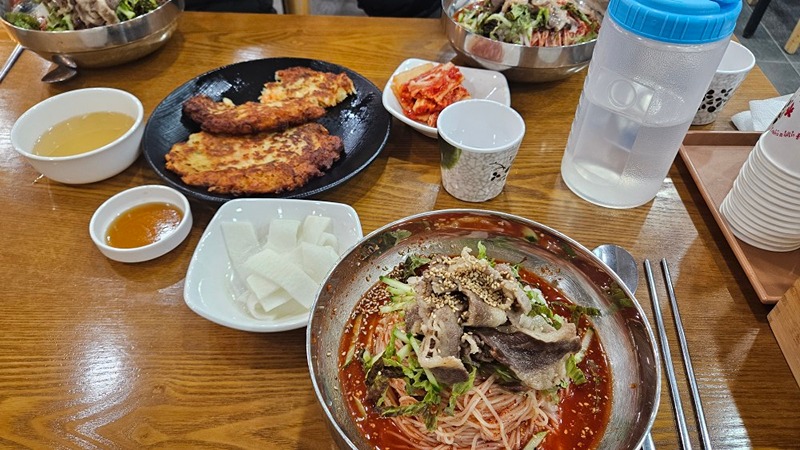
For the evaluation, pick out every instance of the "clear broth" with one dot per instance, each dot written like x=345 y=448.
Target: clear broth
x=84 y=133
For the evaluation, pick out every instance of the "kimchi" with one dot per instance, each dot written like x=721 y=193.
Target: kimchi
x=423 y=92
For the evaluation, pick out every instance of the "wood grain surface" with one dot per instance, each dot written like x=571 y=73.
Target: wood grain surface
x=99 y=354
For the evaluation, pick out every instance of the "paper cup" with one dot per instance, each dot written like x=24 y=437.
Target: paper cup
x=781 y=142
x=766 y=199
x=478 y=140
x=732 y=70
x=752 y=234
x=773 y=167
x=765 y=185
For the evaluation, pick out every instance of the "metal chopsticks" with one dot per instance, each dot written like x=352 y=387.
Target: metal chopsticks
x=687 y=361
x=665 y=353
x=12 y=58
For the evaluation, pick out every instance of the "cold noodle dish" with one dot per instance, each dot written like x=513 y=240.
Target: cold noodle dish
x=454 y=352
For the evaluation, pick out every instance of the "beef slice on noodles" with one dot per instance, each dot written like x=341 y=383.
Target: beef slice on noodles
x=469 y=310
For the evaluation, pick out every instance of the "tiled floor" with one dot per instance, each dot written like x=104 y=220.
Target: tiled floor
x=782 y=69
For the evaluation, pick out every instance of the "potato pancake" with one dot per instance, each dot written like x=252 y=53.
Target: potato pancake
x=324 y=89
x=250 y=117
x=255 y=164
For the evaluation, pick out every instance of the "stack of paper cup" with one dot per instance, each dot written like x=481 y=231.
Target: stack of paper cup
x=763 y=208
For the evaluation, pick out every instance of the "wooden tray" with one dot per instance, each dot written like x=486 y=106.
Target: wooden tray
x=714 y=159
x=785 y=322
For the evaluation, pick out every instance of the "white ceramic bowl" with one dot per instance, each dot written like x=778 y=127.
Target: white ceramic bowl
x=89 y=167
x=211 y=284
x=125 y=200
x=480 y=83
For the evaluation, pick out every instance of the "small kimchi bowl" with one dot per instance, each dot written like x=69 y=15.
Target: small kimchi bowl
x=480 y=83
x=124 y=203
x=90 y=166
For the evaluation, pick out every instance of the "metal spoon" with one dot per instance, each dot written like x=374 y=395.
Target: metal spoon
x=65 y=69
x=624 y=265
x=621 y=262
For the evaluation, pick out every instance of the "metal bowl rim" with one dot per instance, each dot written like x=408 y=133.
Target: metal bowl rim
x=471 y=211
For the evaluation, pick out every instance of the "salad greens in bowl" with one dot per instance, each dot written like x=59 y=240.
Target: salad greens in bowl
x=526 y=40
x=91 y=33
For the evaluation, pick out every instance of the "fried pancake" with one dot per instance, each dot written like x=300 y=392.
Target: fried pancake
x=250 y=117
x=324 y=89
x=255 y=164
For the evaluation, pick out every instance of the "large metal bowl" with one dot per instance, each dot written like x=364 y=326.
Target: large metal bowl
x=101 y=46
x=517 y=62
x=564 y=263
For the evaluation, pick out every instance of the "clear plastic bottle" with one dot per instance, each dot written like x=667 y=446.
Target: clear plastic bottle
x=652 y=63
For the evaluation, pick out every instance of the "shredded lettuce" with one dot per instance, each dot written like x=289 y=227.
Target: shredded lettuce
x=420 y=382
x=412 y=263
x=573 y=372
x=458 y=390
x=22 y=20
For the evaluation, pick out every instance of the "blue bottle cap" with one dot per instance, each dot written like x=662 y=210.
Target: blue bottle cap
x=677 y=21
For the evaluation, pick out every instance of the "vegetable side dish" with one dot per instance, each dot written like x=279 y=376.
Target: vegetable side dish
x=66 y=15
x=424 y=91
x=534 y=23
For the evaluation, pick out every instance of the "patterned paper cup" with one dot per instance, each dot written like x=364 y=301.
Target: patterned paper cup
x=732 y=70
x=478 y=140
x=781 y=143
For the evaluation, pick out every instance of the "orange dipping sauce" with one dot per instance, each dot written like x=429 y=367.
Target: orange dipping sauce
x=143 y=225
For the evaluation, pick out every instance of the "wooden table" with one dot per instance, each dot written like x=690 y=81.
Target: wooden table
x=99 y=354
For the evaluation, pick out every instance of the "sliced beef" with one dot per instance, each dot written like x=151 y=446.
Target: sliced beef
x=481 y=314
x=441 y=346
x=538 y=364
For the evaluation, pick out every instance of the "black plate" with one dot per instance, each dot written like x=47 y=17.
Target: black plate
x=361 y=121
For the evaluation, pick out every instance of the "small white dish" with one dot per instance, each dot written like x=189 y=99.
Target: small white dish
x=90 y=167
x=480 y=83
x=115 y=206
x=210 y=279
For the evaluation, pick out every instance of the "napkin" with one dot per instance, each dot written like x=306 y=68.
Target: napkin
x=761 y=113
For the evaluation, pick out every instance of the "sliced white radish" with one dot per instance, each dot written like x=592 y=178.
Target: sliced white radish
x=313 y=227
x=318 y=260
x=261 y=286
x=329 y=240
x=240 y=240
x=274 y=301
x=282 y=235
x=272 y=266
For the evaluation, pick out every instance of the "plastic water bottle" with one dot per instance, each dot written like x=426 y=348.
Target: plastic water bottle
x=652 y=64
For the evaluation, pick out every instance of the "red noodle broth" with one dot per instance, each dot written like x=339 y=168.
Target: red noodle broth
x=575 y=418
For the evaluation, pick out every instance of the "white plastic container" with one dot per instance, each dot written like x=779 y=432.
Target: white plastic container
x=651 y=66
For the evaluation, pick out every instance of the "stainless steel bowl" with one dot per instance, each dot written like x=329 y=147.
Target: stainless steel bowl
x=517 y=62
x=101 y=46
x=564 y=263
